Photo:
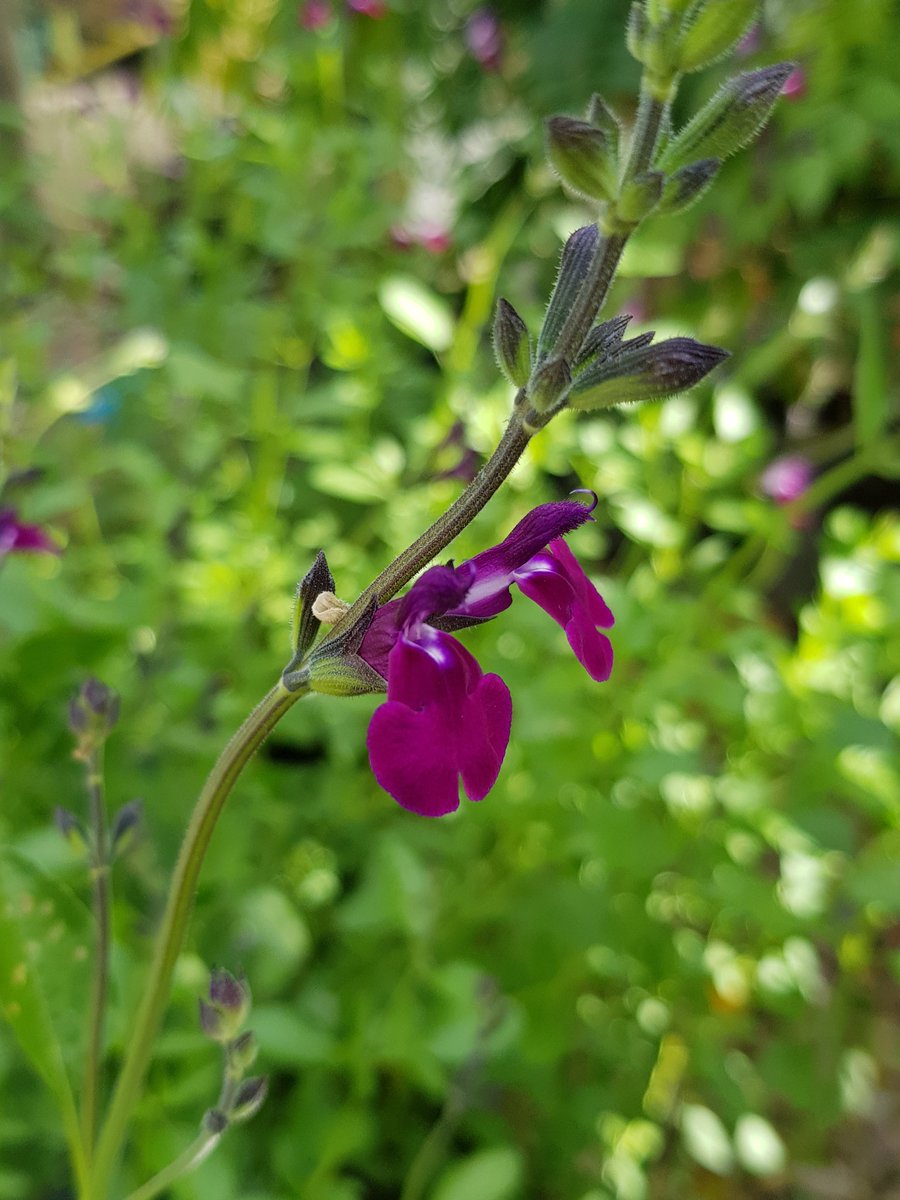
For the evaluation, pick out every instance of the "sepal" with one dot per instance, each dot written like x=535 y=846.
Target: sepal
x=574 y=264
x=602 y=117
x=548 y=385
x=71 y=828
x=125 y=826
x=642 y=372
x=249 y=1098
x=512 y=346
x=640 y=197
x=602 y=340
x=713 y=31
x=732 y=118
x=687 y=185
x=583 y=156
x=305 y=624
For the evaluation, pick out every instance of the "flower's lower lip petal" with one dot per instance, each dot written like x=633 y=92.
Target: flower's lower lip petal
x=407 y=755
x=484 y=736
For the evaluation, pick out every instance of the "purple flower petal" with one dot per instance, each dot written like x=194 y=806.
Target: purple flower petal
x=15 y=536
x=556 y=581
x=443 y=720
x=495 y=568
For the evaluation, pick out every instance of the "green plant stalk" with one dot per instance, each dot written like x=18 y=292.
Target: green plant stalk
x=461 y=512
x=197 y=1152
x=221 y=780
x=648 y=125
x=100 y=875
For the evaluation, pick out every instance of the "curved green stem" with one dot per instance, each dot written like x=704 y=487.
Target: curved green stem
x=231 y=762
x=190 y=1158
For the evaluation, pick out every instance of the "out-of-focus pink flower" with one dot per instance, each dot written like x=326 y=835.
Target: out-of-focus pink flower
x=314 y=14
x=484 y=37
x=368 y=8
x=795 y=85
x=16 y=537
x=153 y=14
x=750 y=42
x=433 y=238
x=466 y=467
x=785 y=479
x=636 y=309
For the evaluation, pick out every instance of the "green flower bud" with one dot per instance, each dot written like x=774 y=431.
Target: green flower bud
x=583 y=156
x=249 y=1098
x=242 y=1052
x=687 y=185
x=732 y=118
x=511 y=344
x=214 y=1121
x=641 y=372
x=93 y=712
x=652 y=38
x=226 y=1008
x=125 y=826
x=712 y=33
x=577 y=256
x=547 y=386
x=637 y=32
x=71 y=828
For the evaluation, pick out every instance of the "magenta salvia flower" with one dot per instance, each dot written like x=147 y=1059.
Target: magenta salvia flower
x=444 y=719
x=17 y=537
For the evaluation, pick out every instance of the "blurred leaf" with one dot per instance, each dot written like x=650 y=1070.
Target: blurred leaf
x=495 y=1174
x=417 y=312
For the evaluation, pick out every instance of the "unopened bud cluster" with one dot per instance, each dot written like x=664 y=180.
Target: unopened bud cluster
x=222 y=1015
x=93 y=713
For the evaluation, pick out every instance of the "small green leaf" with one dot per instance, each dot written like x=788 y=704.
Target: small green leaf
x=44 y=949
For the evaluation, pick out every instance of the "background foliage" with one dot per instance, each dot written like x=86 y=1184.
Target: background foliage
x=244 y=319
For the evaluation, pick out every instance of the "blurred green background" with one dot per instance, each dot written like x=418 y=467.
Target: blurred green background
x=251 y=251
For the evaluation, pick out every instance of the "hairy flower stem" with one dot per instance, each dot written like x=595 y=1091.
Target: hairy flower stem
x=100 y=986
x=644 y=139
x=221 y=780
x=460 y=513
